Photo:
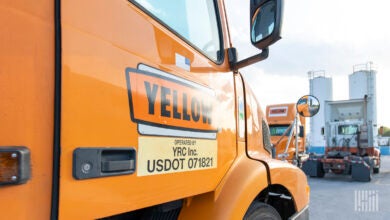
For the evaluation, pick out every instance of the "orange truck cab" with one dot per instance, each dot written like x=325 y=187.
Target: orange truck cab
x=136 y=110
x=289 y=143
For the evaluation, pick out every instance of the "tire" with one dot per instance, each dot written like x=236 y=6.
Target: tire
x=260 y=211
x=376 y=169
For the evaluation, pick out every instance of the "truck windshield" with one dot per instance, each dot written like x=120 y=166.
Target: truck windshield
x=278 y=130
x=195 y=21
x=348 y=129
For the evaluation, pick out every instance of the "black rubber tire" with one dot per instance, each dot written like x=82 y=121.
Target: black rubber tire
x=261 y=211
x=376 y=169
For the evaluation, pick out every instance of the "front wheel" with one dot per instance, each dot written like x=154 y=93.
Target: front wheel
x=376 y=169
x=259 y=211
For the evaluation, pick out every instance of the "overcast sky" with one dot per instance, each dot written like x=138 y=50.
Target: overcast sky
x=330 y=35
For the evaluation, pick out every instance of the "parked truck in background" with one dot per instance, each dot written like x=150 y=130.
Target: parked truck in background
x=288 y=138
x=136 y=110
x=350 y=141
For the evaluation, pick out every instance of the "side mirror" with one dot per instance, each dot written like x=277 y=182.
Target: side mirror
x=308 y=106
x=266 y=22
x=266 y=25
x=301 y=131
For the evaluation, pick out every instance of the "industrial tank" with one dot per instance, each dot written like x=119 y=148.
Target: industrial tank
x=362 y=82
x=322 y=88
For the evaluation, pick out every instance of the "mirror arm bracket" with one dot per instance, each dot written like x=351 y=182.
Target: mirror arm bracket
x=250 y=60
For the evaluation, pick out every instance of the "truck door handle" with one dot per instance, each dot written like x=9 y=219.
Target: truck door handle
x=117 y=160
x=103 y=162
x=117 y=165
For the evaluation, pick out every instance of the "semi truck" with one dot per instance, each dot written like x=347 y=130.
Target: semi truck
x=350 y=141
x=136 y=110
x=287 y=129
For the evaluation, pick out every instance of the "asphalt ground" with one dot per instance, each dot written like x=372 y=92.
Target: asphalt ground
x=339 y=197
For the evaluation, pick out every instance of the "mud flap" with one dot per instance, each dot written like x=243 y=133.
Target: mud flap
x=361 y=172
x=313 y=168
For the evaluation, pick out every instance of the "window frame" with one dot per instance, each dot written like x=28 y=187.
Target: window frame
x=220 y=60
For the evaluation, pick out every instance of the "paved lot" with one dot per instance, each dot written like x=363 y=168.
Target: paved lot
x=339 y=197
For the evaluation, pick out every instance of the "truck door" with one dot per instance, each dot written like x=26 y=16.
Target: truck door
x=148 y=111
x=26 y=108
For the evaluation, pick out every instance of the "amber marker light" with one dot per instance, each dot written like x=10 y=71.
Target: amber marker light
x=14 y=165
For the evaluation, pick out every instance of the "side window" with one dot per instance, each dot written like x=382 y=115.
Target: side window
x=266 y=136
x=258 y=134
x=194 y=20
